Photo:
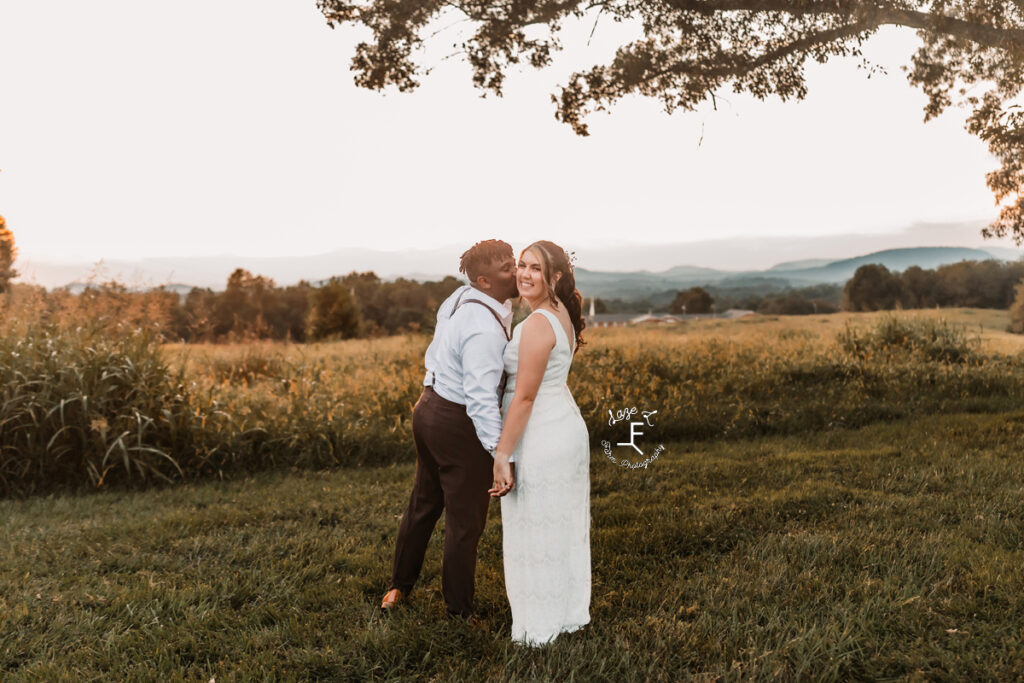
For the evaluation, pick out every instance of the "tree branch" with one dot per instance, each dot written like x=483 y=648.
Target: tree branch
x=805 y=43
x=983 y=34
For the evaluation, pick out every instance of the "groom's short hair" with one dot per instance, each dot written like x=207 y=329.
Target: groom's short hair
x=481 y=255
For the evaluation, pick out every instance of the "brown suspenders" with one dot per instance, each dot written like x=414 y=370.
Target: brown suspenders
x=508 y=337
x=459 y=302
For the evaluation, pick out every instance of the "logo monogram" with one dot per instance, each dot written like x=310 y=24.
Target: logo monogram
x=614 y=417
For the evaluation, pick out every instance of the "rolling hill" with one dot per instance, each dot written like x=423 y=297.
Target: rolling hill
x=642 y=284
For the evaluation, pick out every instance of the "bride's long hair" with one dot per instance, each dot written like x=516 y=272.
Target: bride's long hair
x=553 y=260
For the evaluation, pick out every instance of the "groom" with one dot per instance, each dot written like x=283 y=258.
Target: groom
x=456 y=424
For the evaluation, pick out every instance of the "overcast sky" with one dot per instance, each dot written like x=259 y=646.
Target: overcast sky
x=132 y=129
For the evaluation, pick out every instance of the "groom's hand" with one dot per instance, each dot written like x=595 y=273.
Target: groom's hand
x=504 y=476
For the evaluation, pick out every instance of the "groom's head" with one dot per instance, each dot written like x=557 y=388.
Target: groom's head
x=491 y=267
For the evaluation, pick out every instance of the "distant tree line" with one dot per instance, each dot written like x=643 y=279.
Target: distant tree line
x=766 y=300
x=811 y=300
x=354 y=305
x=801 y=301
x=771 y=297
x=361 y=304
x=969 y=284
x=253 y=307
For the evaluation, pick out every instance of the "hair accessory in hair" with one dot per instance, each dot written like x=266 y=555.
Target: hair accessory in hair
x=570 y=256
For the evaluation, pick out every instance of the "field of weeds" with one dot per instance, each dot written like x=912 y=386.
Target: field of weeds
x=92 y=408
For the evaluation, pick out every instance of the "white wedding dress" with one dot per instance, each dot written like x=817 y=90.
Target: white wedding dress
x=545 y=519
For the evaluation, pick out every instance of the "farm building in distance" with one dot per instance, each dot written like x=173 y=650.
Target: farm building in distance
x=623 y=319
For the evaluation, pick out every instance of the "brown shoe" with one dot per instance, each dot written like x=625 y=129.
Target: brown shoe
x=391 y=599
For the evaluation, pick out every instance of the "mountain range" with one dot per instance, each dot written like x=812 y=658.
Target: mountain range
x=801 y=273
x=181 y=274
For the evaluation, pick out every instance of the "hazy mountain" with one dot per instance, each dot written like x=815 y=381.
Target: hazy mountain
x=690 y=271
x=752 y=253
x=755 y=252
x=213 y=271
x=178 y=288
x=1005 y=253
x=641 y=284
x=893 y=259
x=801 y=265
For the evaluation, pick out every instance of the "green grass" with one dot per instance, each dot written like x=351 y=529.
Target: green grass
x=885 y=552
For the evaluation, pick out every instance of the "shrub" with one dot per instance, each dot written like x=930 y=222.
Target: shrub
x=936 y=340
x=1017 y=310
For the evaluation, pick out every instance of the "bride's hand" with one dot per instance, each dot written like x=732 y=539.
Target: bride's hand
x=504 y=476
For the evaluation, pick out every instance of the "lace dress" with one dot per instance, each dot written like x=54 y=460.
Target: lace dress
x=546 y=517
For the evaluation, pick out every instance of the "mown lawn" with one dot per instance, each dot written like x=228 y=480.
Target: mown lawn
x=890 y=551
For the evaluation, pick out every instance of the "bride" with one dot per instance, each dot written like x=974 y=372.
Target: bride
x=545 y=506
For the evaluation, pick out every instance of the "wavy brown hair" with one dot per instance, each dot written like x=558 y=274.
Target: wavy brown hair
x=553 y=260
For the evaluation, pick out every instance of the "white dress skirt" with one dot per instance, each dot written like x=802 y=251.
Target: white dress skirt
x=545 y=519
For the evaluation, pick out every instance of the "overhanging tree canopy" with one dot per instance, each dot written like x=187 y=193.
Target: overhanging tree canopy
x=972 y=55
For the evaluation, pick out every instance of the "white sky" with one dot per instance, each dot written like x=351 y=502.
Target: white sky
x=132 y=129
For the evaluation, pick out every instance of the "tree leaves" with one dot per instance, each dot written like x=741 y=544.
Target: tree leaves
x=691 y=48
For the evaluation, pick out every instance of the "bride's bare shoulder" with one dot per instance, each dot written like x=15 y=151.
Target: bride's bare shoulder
x=537 y=328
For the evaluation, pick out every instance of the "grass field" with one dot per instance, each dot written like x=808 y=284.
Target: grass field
x=841 y=497
x=84 y=407
x=886 y=552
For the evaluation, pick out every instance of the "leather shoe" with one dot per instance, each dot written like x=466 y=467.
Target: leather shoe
x=391 y=599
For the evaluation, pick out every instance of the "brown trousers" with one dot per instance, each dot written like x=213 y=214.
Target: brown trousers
x=453 y=473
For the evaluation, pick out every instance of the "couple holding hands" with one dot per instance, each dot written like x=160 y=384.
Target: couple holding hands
x=496 y=420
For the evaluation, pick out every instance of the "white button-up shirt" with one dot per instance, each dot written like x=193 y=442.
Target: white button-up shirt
x=465 y=359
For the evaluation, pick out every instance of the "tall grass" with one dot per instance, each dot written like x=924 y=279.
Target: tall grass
x=93 y=406
x=83 y=403
x=713 y=386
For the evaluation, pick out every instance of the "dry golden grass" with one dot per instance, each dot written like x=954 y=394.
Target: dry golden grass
x=205 y=410
x=990 y=324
